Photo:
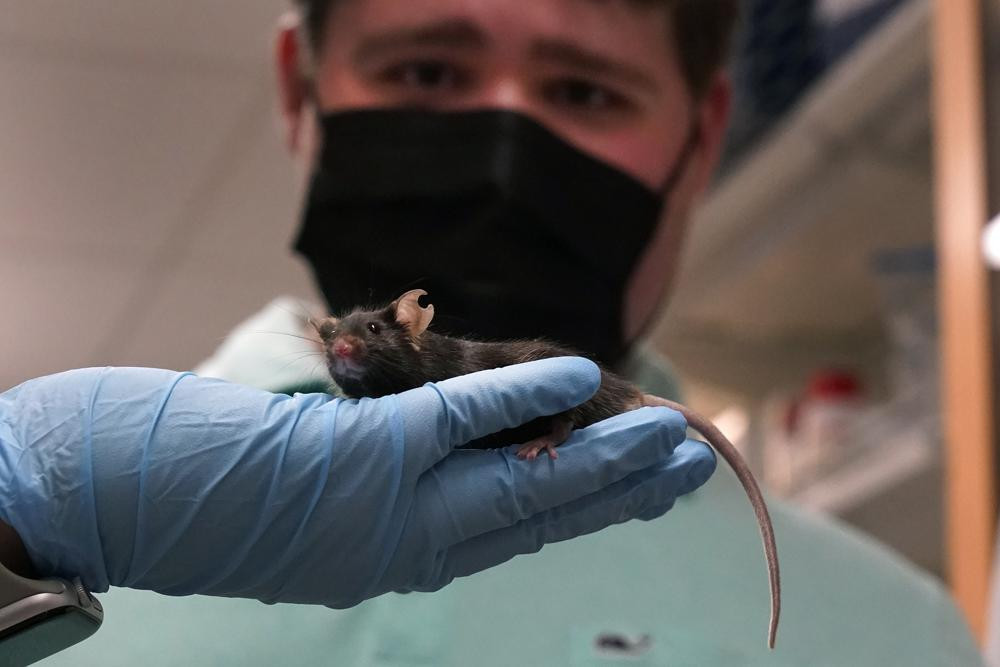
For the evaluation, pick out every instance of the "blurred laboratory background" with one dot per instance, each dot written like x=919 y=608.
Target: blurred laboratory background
x=147 y=206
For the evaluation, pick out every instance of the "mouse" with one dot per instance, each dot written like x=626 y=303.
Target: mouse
x=375 y=352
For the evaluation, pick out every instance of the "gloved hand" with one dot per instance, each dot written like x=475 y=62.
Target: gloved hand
x=183 y=485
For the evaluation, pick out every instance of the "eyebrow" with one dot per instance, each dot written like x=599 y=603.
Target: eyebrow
x=573 y=55
x=452 y=33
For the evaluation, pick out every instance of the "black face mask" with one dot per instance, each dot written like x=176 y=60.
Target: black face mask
x=513 y=232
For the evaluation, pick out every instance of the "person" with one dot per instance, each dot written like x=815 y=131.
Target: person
x=183 y=485
x=533 y=166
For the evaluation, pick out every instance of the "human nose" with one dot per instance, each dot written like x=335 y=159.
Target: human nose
x=506 y=92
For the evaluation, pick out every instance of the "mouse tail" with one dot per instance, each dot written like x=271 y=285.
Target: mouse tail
x=728 y=451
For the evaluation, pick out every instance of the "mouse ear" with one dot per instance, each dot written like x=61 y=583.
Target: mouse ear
x=411 y=314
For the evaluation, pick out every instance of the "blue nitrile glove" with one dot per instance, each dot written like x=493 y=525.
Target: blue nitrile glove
x=169 y=482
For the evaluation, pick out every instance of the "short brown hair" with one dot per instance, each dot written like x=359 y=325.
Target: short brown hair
x=703 y=31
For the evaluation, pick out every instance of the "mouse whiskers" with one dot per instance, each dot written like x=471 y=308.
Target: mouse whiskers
x=304 y=314
x=285 y=333
x=296 y=360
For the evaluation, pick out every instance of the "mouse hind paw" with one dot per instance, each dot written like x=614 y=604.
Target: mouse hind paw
x=561 y=428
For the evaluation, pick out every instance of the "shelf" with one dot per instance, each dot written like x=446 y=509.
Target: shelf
x=887 y=480
x=779 y=255
x=850 y=486
x=887 y=445
x=777 y=279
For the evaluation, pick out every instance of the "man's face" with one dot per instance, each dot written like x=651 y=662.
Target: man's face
x=602 y=74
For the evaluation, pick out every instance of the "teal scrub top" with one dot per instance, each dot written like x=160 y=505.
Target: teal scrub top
x=687 y=589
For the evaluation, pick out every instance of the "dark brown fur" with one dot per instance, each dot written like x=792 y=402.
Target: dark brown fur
x=393 y=362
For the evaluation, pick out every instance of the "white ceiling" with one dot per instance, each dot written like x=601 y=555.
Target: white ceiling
x=146 y=202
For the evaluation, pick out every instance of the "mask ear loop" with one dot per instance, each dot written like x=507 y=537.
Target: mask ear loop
x=681 y=165
x=666 y=193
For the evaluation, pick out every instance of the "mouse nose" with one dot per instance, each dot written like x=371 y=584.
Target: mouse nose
x=344 y=349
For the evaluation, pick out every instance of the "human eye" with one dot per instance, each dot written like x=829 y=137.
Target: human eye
x=425 y=76
x=584 y=96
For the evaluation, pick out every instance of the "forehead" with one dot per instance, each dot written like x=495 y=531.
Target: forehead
x=363 y=314
x=625 y=29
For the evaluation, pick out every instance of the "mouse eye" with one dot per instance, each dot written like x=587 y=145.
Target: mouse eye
x=373 y=327
x=326 y=329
